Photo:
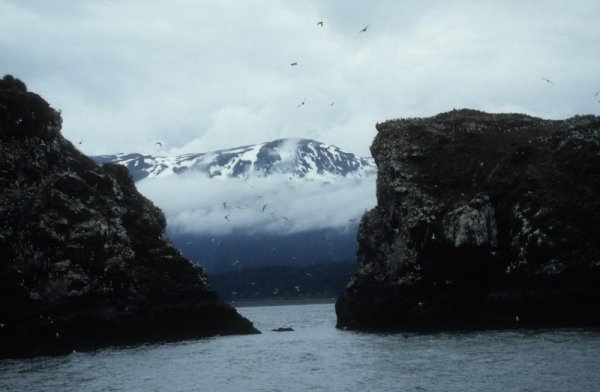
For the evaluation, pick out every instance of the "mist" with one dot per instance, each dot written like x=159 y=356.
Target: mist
x=278 y=204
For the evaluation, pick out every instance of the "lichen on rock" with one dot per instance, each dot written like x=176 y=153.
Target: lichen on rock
x=472 y=225
x=480 y=218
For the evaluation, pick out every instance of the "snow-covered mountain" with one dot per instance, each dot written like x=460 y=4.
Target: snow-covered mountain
x=285 y=202
x=300 y=158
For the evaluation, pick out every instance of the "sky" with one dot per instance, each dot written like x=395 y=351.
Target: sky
x=202 y=75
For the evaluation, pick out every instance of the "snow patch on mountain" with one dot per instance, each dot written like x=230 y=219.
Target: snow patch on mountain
x=298 y=158
x=281 y=187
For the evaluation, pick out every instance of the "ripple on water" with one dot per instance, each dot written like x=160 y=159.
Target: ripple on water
x=318 y=357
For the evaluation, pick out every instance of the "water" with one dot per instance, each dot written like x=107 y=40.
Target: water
x=317 y=357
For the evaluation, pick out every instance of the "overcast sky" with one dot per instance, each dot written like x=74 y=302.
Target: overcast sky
x=200 y=75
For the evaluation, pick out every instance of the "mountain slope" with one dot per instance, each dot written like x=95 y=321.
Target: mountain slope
x=299 y=158
x=287 y=202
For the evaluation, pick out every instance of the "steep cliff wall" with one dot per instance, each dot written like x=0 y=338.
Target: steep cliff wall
x=84 y=260
x=482 y=220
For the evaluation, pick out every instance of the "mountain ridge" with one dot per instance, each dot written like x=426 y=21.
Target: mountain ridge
x=288 y=201
x=295 y=157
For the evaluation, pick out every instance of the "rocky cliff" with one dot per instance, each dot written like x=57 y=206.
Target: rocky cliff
x=482 y=220
x=84 y=260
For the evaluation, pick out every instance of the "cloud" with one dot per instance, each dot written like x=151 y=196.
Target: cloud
x=275 y=204
x=201 y=76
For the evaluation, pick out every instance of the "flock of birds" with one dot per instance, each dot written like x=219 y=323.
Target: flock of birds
x=264 y=207
x=292 y=64
x=295 y=63
x=303 y=103
x=364 y=30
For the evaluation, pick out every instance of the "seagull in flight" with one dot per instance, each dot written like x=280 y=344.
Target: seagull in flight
x=301 y=103
x=226 y=218
x=265 y=206
x=364 y=30
x=547 y=80
x=320 y=23
x=159 y=144
x=294 y=64
x=331 y=104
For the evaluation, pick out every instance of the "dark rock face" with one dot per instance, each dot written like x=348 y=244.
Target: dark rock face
x=483 y=220
x=283 y=329
x=84 y=260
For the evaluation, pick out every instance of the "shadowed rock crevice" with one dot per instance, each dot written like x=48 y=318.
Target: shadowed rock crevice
x=84 y=259
x=483 y=220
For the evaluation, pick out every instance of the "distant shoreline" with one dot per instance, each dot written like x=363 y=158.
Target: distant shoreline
x=281 y=302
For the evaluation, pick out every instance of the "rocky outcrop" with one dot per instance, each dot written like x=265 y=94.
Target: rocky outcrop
x=84 y=260
x=482 y=220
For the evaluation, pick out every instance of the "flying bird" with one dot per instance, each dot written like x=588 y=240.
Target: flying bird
x=286 y=218
x=301 y=103
x=265 y=206
x=547 y=80
x=159 y=144
x=364 y=30
x=294 y=64
x=320 y=23
x=226 y=218
x=224 y=205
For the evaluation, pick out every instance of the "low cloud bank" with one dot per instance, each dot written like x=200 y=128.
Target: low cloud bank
x=197 y=204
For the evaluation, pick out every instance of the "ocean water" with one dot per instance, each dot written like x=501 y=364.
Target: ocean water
x=318 y=357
